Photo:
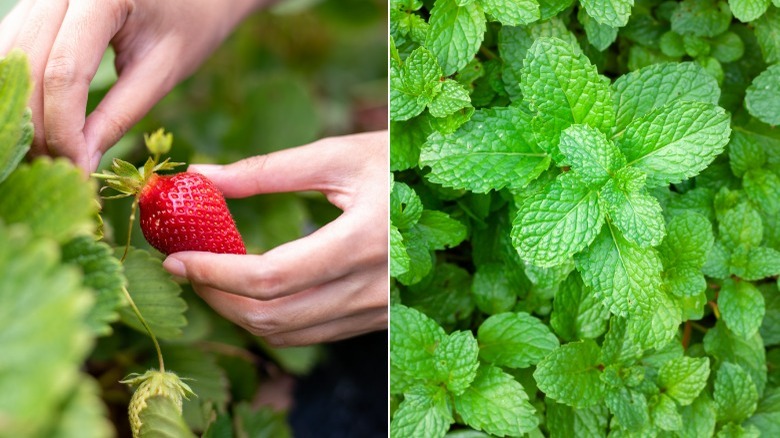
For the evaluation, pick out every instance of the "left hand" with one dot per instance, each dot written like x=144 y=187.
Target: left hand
x=329 y=285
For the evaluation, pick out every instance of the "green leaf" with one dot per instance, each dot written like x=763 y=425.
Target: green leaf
x=51 y=197
x=514 y=340
x=734 y=430
x=15 y=127
x=208 y=380
x=636 y=214
x=698 y=418
x=563 y=88
x=405 y=141
x=676 y=141
x=684 y=378
x=155 y=293
x=399 y=258
x=762 y=98
x=664 y=414
x=745 y=153
x=639 y=92
x=570 y=374
x=728 y=47
x=265 y=421
x=455 y=33
x=512 y=13
x=553 y=225
x=161 y=418
x=741 y=225
x=742 y=307
x=405 y=206
x=497 y=404
x=440 y=230
x=625 y=277
x=424 y=413
x=103 y=274
x=599 y=35
x=770 y=325
x=403 y=104
x=420 y=71
x=755 y=263
x=762 y=188
x=734 y=393
x=591 y=155
x=456 y=361
x=491 y=151
x=701 y=18
x=725 y=346
x=767 y=416
x=684 y=252
x=565 y=421
x=577 y=313
x=84 y=414
x=767 y=30
x=671 y=44
x=453 y=97
x=494 y=290
x=420 y=257
x=43 y=335
x=654 y=330
x=613 y=13
x=444 y=296
x=413 y=340
x=748 y=10
x=629 y=407
x=620 y=346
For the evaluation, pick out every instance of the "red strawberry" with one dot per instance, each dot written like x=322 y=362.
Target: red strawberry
x=181 y=212
x=186 y=212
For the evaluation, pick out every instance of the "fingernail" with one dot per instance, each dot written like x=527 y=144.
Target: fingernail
x=175 y=267
x=205 y=169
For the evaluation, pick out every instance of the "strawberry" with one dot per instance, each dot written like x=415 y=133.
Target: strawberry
x=154 y=383
x=180 y=212
x=186 y=212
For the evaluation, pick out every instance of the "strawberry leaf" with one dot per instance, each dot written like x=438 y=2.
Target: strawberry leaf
x=161 y=418
x=16 y=130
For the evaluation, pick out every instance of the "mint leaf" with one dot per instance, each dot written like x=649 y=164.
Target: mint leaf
x=762 y=188
x=599 y=35
x=749 y=353
x=512 y=13
x=728 y=47
x=424 y=413
x=456 y=361
x=734 y=393
x=767 y=415
x=413 y=340
x=577 y=313
x=625 y=277
x=698 y=418
x=493 y=289
x=642 y=91
x=497 y=404
x=609 y=12
x=767 y=29
x=455 y=33
x=664 y=414
x=405 y=141
x=570 y=374
x=399 y=258
x=701 y=18
x=405 y=206
x=755 y=263
x=745 y=153
x=440 y=230
x=629 y=407
x=591 y=156
x=420 y=257
x=657 y=328
x=762 y=98
x=636 y=214
x=566 y=421
x=563 y=88
x=684 y=252
x=514 y=340
x=676 y=141
x=450 y=99
x=553 y=225
x=489 y=152
x=741 y=225
x=742 y=307
x=684 y=378
x=748 y=10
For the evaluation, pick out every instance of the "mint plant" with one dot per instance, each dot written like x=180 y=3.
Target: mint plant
x=584 y=218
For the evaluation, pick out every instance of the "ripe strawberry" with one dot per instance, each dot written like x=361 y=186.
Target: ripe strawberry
x=186 y=212
x=181 y=212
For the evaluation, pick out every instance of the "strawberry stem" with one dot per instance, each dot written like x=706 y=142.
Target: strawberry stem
x=146 y=326
x=130 y=228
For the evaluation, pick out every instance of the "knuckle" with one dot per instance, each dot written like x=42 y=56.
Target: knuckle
x=260 y=323
x=61 y=72
x=268 y=283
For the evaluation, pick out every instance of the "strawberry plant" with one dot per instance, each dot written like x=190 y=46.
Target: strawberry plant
x=584 y=218
x=76 y=361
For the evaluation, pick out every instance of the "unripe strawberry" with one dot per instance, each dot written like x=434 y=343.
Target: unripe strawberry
x=151 y=384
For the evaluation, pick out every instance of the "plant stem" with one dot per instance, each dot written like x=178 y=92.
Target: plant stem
x=148 y=329
x=130 y=228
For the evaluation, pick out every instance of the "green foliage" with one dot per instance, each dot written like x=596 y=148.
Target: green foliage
x=616 y=174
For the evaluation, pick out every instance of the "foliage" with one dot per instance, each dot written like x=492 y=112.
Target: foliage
x=67 y=332
x=605 y=179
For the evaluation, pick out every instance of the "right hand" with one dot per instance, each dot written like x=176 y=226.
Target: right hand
x=157 y=44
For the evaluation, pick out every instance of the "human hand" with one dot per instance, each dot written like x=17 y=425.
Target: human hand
x=329 y=285
x=157 y=44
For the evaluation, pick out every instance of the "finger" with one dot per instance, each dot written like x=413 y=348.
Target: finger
x=343 y=328
x=316 y=306
x=322 y=166
x=75 y=56
x=12 y=25
x=139 y=86
x=325 y=255
x=36 y=38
